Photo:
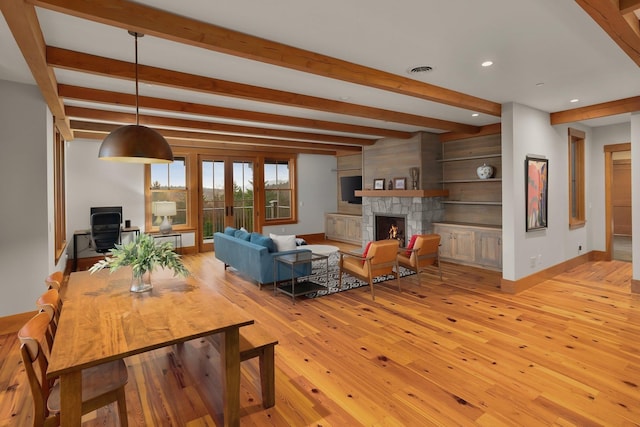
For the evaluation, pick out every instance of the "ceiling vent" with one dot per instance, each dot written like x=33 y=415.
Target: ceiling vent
x=420 y=69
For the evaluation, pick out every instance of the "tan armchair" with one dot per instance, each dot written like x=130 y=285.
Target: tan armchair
x=423 y=254
x=380 y=260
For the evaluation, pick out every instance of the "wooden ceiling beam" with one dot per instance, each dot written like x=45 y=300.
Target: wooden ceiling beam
x=219 y=128
x=492 y=129
x=82 y=127
x=147 y=20
x=607 y=14
x=628 y=6
x=83 y=62
x=23 y=23
x=605 y=109
x=125 y=99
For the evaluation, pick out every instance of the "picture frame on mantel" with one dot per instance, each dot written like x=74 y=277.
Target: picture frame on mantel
x=400 y=183
x=536 y=190
x=378 y=184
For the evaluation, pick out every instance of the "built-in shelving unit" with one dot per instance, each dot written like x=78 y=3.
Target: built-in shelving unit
x=483 y=156
x=468 y=202
x=402 y=193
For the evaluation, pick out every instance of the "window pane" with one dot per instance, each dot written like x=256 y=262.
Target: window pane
x=277 y=186
x=180 y=197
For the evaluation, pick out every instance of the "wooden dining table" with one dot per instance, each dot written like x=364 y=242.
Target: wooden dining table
x=102 y=320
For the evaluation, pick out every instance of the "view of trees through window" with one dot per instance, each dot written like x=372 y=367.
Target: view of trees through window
x=168 y=183
x=277 y=189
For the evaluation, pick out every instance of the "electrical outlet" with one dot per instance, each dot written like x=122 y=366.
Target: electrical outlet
x=532 y=262
x=579 y=247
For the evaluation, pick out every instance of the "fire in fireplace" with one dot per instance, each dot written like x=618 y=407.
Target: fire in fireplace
x=390 y=227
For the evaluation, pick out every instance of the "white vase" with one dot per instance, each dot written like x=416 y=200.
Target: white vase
x=485 y=171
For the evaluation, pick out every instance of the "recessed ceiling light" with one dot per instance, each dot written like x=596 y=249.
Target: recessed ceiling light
x=475 y=115
x=574 y=100
x=420 y=69
x=487 y=63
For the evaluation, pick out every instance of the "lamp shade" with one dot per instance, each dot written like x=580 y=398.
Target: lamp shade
x=164 y=208
x=136 y=144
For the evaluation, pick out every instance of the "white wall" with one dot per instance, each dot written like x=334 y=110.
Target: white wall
x=526 y=131
x=95 y=182
x=635 y=192
x=317 y=195
x=25 y=254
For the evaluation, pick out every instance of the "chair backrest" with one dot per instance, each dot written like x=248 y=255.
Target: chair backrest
x=51 y=303
x=384 y=253
x=105 y=230
x=428 y=247
x=31 y=337
x=54 y=280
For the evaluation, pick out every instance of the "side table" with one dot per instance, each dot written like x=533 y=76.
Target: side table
x=296 y=288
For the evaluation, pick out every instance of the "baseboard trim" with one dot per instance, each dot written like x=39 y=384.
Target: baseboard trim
x=517 y=286
x=12 y=324
x=316 y=237
x=635 y=286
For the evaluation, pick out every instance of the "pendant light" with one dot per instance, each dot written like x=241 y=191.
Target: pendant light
x=136 y=143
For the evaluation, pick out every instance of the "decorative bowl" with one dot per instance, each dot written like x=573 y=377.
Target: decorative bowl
x=485 y=171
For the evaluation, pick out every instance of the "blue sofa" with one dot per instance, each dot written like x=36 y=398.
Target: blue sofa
x=253 y=256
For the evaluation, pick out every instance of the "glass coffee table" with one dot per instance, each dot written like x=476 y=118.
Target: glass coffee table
x=295 y=287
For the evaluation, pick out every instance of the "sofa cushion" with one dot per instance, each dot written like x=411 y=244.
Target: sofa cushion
x=265 y=241
x=229 y=231
x=242 y=234
x=284 y=243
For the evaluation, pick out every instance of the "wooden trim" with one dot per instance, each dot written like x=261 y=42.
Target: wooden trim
x=23 y=23
x=576 y=143
x=608 y=191
x=93 y=64
x=625 y=146
x=605 y=109
x=151 y=21
x=628 y=6
x=493 y=129
x=607 y=14
x=517 y=286
x=118 y=98
x=12 y=324
x=402 y=193
x=635 y=286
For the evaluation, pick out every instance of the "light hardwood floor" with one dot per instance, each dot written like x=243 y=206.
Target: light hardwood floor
x=457 y=352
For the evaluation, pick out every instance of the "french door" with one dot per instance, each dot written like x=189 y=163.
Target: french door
x=227 y=196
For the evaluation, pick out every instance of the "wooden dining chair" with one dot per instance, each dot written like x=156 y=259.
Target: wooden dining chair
x=422 y=254
x=379 y=259
x=54 y=280
x=101 y=385
x=50 y=301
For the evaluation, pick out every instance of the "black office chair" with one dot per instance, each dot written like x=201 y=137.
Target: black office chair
x=105 y=231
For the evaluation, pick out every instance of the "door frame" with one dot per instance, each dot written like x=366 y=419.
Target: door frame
x=608 y=199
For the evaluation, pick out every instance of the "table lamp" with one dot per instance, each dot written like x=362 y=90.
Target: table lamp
x=165 y=209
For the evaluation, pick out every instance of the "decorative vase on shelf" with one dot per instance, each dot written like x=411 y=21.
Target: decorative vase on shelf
x=485 y=171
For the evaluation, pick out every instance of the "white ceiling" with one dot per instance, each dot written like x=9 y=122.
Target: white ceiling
x=545 y=53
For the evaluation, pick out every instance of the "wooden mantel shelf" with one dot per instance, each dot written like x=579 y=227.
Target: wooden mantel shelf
x=402 y=193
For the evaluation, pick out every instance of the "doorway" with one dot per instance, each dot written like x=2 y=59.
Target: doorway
x=618 y=199
x=227 y=197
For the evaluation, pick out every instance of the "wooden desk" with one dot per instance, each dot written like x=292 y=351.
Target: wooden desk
x=102 y=321
x=87 y=232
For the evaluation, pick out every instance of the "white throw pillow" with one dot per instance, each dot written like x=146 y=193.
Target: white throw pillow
x=284 y=243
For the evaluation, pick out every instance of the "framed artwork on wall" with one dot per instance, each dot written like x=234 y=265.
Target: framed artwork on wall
x=400 y=183
x=536 y=192
x=378 y=184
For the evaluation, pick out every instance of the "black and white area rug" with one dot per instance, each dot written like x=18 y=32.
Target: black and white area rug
x=348 y=281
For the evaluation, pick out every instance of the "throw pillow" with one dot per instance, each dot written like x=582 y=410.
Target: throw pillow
x=300 y=241
x=284 y=243
x=411 y=243
x=230 y=231
x=243 y=235
x=265 y=241
x=366 y=250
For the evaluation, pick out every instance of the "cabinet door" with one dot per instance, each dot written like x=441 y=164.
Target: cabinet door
x=463 y=245
x=330 y=227
x=489 y=248
x=445 y=240
x=354 y=229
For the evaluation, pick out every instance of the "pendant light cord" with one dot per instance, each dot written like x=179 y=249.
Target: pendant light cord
x=137 y=107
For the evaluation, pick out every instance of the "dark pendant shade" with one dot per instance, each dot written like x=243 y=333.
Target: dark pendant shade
x=136 y=144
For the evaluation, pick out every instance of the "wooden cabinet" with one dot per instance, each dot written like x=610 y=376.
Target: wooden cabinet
x=470 y=244
x=344 y=228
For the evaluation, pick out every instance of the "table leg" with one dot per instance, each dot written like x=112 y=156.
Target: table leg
x=231 y=381
x=71 y=399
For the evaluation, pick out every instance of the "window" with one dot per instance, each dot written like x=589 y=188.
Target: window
x=168 y=182
x=576 y=179
x=59 y=196
x=279 y=190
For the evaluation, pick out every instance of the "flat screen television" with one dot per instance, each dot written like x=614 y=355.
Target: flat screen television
x=100 y=209
x=348 y=186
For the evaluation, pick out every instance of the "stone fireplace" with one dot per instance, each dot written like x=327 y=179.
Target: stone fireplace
x=417 y=213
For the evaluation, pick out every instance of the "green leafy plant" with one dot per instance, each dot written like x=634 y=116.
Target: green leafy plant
x=143 y=255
